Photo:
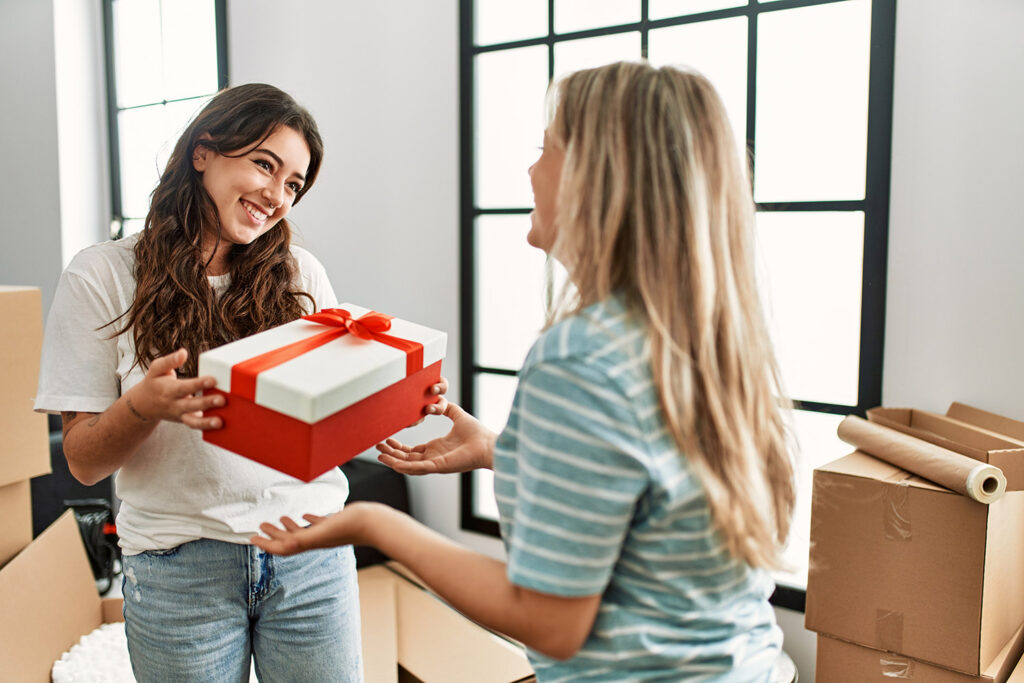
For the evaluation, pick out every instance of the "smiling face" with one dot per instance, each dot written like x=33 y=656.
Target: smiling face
x=545 y=176
x=253 y=189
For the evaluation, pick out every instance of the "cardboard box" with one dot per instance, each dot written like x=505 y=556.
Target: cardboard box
x=309 y=395
x=15 y=519
x=1017 y=675
x=50 y=601
x=842 y=662
x=409 y=634
x=25 y=442
x=1004 y=426
x=959 y=435
x=900 y=564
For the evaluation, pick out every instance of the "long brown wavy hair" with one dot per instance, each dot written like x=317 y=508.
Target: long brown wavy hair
x=174 y=305
x=655 y=203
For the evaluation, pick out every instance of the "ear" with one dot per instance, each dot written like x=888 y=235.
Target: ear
x=200 y=153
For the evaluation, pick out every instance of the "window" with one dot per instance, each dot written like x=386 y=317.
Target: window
x=808 y=87
x=165 y=60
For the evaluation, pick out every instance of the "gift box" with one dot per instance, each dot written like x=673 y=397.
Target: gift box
x=311 y=394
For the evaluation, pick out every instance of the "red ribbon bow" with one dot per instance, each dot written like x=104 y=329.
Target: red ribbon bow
x=364 y=327
x=371 y=327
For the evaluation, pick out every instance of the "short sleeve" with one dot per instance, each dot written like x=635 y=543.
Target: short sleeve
x=78 y=366
x=314 y=279
x=580 y=469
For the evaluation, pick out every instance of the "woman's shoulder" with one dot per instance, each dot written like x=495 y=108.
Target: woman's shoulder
x=606 y=333
x=304 y=258
x=312 y=277
x=105 y=261
x=307 y=265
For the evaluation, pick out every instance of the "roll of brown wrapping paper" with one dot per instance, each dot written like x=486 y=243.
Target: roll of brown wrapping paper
x=978 y=480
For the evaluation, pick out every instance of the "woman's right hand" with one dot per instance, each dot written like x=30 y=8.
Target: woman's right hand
x=468 y=446
x=162 y=396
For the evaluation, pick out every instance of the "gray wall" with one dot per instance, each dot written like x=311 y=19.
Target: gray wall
x=29 y=189
x=382 y=80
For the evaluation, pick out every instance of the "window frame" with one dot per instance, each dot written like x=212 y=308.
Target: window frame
x=117 y=217
x=875 y=204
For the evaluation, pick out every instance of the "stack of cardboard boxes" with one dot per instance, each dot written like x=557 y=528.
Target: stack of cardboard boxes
x=24 y=439
x=911 y=580
x=48 y=595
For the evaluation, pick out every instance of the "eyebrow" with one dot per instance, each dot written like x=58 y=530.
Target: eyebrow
x=280 y=162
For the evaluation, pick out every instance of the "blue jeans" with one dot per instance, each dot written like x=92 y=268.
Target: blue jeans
x=199 y=611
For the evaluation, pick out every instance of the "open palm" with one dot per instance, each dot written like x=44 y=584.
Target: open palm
x=468 y=446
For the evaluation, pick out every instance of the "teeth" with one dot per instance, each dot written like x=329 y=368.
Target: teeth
x=254 y=212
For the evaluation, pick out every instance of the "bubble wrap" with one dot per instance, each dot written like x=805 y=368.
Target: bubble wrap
x=101 y=657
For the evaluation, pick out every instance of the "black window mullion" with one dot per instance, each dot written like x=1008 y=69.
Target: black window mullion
x=876 y=215
x=550 y=38
x=751 y=87
x=467 y=250
x=644 y=26
x=220 y=9
x=816 y=205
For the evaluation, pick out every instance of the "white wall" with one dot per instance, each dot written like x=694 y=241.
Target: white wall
x=954 y=326
x=29 y=193
x=83 y=149
x=382 y=81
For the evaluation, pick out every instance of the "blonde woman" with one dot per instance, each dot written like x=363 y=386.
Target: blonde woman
x=643 y=479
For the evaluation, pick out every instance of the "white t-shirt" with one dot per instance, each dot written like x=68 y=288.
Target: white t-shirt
x=176 y=488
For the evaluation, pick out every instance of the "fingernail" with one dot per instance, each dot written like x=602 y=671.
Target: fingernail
x=209 y=383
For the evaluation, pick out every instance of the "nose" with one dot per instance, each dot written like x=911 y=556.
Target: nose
x=273 y=192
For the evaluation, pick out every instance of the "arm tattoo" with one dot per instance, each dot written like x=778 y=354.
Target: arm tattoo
x=134 y=411
x=94 y=420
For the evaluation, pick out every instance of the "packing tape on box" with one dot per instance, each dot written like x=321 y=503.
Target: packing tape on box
x=980 y=481
x=889 y=630
x=891 y=666
x=896 y=517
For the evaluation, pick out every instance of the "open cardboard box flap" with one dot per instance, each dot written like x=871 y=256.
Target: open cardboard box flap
x=978 y=434
x=404 y=622
x=50 y=601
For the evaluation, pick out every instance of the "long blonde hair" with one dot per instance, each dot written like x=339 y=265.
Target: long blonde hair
x=655 y=204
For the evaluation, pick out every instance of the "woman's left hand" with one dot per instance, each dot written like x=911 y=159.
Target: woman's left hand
x=345 y=527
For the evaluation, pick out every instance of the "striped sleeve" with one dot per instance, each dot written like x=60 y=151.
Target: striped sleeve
x=580 y=469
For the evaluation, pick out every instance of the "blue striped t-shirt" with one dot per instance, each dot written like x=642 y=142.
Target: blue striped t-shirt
x=595 y=497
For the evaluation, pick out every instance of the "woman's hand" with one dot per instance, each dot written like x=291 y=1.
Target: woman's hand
x=346 y=527
x=438 y=408
x=162 y=396
x=468 y=446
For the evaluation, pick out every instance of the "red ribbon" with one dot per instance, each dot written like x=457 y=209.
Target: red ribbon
x=371 y=327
